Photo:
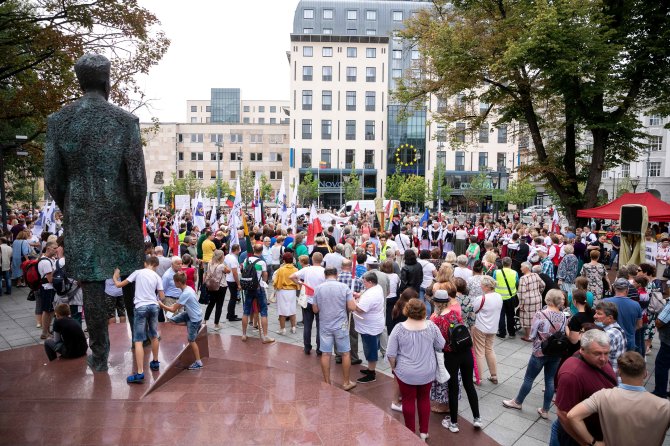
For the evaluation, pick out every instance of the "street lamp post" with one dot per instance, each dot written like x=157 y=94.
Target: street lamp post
x=635 y=182
x=218 y=175
x=418 y=159
x=440 y=168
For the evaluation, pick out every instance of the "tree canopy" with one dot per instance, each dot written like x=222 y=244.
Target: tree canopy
x=308 y=189
x=571 y=76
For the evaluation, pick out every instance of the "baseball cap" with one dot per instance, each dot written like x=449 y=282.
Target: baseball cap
x=621 y=284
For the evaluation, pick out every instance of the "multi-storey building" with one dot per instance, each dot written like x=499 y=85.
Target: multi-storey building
x=345 y=60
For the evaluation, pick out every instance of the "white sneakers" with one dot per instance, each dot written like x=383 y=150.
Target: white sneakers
x=396 y=407
x=447 y=424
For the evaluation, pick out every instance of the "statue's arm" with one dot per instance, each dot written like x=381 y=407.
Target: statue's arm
x=137 y=177
x=54 y=169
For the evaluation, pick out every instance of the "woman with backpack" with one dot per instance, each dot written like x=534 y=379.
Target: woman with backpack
x=457 y=354
x=546 y=322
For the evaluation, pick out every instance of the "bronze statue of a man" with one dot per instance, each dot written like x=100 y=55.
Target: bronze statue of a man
x=94 y=169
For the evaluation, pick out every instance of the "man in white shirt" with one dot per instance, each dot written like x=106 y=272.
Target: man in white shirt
x=429 y=273
x=403 y=242
x=370 y=320
x=311 y=277
x=233 y=279
x=5 y=265
x=334 y=259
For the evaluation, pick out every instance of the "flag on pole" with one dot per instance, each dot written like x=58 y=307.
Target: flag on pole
x=256 y=203
x=314 y=226
x=281 y=204
x=213 y=221
x=230 y=199
x=49 y=220
x=425 y=217
x=294 y=205
x=392 y=213
x=235 y=217
x=199 y=215
x=356 y=208
x=556 y=222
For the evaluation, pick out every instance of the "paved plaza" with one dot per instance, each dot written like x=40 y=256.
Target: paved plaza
x=506 y=426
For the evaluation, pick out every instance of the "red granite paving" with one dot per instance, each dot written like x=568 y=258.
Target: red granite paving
x=248 y=393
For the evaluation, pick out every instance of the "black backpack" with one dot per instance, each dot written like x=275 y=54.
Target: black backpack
x=459 y=337
x=557 y=344
x=60 y=281
x=249 y=279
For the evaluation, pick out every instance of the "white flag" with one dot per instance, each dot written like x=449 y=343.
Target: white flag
x=213 y=222
x=235 y=216
x=199 y=215
x=294 y=205
x=256 y=203
x=281 y=204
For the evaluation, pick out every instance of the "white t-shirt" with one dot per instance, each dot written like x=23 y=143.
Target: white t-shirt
x=372 y=302
x=394 y=281
x=231 y=262
x=333 y=260
x=276 y=252
x=147 y=284
x=463 y=273
x=403 y=244
x=313 y=276
x=44 y=268
x=260 y=266
x=489 y=315
x=461 y=234
x=428 y=269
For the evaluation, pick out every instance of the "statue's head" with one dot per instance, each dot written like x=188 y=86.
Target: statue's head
x=93 y=72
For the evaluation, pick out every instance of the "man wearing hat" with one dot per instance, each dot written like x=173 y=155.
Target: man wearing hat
x=630 y=312
x=545 y=261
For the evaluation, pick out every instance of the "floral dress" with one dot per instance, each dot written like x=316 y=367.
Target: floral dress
x=595 y=274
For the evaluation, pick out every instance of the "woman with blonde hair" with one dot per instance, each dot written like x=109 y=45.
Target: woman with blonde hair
x=444 y=274
x=217 y=270
x=286 y=292
x=489 y=263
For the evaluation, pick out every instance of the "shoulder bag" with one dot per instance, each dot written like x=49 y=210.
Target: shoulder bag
x=601 y=371
x=557 y=344
x=482 y=304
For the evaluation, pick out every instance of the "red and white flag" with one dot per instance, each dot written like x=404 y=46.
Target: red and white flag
x=314 y=226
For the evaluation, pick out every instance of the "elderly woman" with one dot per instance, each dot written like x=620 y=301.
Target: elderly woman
x=487 y=307
x=411 y=352
x=20 y=252
x=286 y=292
x=567 y=269
x=596 y=273
x=530 y=297
x=472 y=252
x=545 y=323
x=474 y=282
x=462 y=269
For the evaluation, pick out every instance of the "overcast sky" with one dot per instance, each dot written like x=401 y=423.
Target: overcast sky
x=218 y=44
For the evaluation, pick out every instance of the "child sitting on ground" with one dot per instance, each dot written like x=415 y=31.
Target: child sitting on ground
x=192 y=317
x=69 y=339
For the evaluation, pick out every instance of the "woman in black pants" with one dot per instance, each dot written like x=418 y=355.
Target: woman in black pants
x=447 y=314
x=217 y=270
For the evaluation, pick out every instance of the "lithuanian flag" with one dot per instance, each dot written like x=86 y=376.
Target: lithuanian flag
x=230 y=200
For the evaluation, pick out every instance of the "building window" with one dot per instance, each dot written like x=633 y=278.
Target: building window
x=308 y=14
x=276 y=139
x=247 y=109
x=275 y=175
x=307 y=99
x=306 y=161
x=236 y=156
x=351 y=130
x=180 y=156
x=194 y=108
x=327 y=73
x=196 y=137
x=654 y=169
x=397 y=54
x=501 y=161
x=370 y=74
x=307 y=51
x=396 y=73
x=625 y=170
x=327 y=51
x=502 y=134
x=484 y=133
x=349 y=158
x=233 y=174
x=371 y=53
x=326 y=129
x=370 y=32
x=208 y=108
x=236 y=138
x=212 y=174
x=261 y=120
x=351 y=51
x=326 y=31
x=397 y=16
x=370 y=100
x=216 y=137
x=306 y=129
x=415 y=54
x=351 y=74
x=328 y=14
x=441 y=105
x=273 y=120
x=352 y=14
x=325 y=159
x=194 y=120
x=308 y=30
x=273 y=109
x=655 y=143
x=369 y=161
x=351 y=100
x=326 y=100
x=369 y=130
x=246 y=120
x=256 y=156
x=275 y=157
x=460 y=161
x=483 y=160
x=306 y=73
x=180 y=174
x=261 y=108
x=370 y=15
x=256 y=138
x=605 y=174
x=196 y=156
x=654 y=120
x=440 y=133
x=460 y=132
x=212 y=156
x=352 y=31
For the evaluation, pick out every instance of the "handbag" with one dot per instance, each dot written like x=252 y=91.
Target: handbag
x=302 y=298
x=441 y=373
x=515 y=298
x=212 y=283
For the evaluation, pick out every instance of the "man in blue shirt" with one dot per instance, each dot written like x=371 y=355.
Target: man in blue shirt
x=191 y=317
x=662 y=365
x=630 y=312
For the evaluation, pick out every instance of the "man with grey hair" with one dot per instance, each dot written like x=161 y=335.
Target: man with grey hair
x=390 y=255
x=605 y=317
x=630 y=312
x=579 y=377
x=164 y=263
x=334 y=259
x=462 y=269
x=172 y=292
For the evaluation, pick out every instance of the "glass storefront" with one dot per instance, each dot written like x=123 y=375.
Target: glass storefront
x=406 y=141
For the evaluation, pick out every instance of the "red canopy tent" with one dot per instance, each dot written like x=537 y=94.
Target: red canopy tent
x=657 y=210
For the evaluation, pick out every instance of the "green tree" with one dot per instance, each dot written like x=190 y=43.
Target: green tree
x=393 y=184
x=520 y=192
x=188 y=185
x=247 y=185
x=266 y=187
x=352 y=186
x=211 y=189
x=563 y=69
x=439 y=178
x=308 y=189
x=480 y=188
x=623 y=186
x=414 y=190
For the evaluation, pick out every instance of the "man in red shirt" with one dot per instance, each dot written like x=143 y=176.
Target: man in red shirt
x=578 y=378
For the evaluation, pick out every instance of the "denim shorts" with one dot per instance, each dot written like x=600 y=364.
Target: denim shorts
x=146 y=315
x=192 y=327
x=338 y=337
x=259 y=295
x=370 y=347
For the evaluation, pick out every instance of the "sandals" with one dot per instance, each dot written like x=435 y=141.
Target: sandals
x=543 y=413
x=154 y=365
x=493 y=379
x=137 y=378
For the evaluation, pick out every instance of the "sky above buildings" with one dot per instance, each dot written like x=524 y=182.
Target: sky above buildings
x=230 y=44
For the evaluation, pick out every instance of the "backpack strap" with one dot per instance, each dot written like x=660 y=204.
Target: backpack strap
x=482 y=304
x=601 y=371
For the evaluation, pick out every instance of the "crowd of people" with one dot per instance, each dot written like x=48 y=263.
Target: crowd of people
x=428 y=294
